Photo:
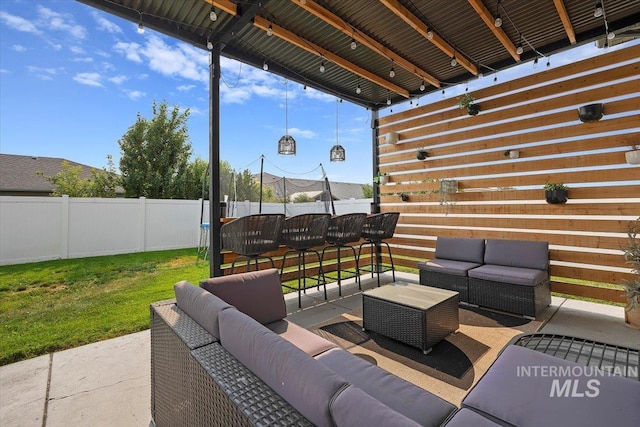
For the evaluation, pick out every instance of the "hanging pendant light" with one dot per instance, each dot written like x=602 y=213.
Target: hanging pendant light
x=337 y=153
x=286 y=144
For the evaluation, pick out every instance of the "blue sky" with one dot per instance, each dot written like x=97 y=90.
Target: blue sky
x=73 y=79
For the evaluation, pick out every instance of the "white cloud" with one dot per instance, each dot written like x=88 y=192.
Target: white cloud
x=89 y=79
x=131 y=51
x=18 y=23
x=117 y=79
x=102 y=53
x=85 y=59
x=107 y=66
x=77 y=50
x=308 y=134
x=54 y=46
x=105 y=25
x=134 y=95
x=4 y=71
x=185 y=88
x=42 y=73
x=195 y=111
x=61 y=22
x=19 y=48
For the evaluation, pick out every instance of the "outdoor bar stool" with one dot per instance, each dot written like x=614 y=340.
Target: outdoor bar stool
x=252 y=236
x=377 y=228
x=203 y=242
x=344 y=229
x=301 y=233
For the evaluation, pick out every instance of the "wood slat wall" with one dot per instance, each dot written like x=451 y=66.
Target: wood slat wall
x=499 y=197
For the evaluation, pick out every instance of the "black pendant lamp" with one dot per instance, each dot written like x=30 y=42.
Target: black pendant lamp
x=337 y=153
x=286 y=144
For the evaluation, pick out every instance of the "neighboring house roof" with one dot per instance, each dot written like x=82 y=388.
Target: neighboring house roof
x=339 y=190
x=18 y=174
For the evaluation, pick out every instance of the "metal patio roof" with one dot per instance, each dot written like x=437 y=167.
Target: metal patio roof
x=418 y=39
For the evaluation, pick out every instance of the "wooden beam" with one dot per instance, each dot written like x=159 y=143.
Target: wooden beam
x=341 y=25
x=564 y=17
x=415 y=23
x=225 y=5
x=312 y=48
x=490 y=20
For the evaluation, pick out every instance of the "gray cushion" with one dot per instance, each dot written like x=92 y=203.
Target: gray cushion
x=466 y=417
x=354 y=407
x=305 y=340
x=306 y=384
x=460 y=249
x=456 y=268
x=258 y=294
x=411 y=401
x=507 y=393
x=514 y=275
x=517 y=253
x=200 y=305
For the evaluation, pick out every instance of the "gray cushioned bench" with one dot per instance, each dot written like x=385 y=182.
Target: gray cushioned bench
x=506 y=275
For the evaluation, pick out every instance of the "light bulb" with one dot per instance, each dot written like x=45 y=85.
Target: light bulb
x=430 y=35
x=611 y=36
x=209 y=45
x=354 y=45
x=422 y=86
x=358 y=90
x=303 y=1
x=453 y=61
x=265 y=66
x=498 y=22
x=598 y=12
x=270 y=30
x=322 y=67
x=213 y=15
x=519 y=49
x=388 y=101
x=392 y=73
x=140 y=28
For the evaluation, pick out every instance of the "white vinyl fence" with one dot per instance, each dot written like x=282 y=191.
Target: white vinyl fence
x=44 y=228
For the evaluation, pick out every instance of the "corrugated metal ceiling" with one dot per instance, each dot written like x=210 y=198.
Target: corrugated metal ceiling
x=455 y=21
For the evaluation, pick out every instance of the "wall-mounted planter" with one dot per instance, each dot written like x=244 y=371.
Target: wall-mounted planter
x=473 y=109
x=633 y=157
x=391 y=138
x=591 y=112
x=404 y=197
x=556 y=197
x=422 y=155
x=448 y=186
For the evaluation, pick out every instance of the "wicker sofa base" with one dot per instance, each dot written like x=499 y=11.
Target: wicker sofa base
x=446 y=281
x=517 y=299
x=196 y=382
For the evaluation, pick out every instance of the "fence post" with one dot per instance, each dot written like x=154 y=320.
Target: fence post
x=64 y=227
x=143 y=224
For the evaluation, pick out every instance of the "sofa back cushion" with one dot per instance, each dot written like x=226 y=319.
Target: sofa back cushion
x=460 y=249
x=517 y=253
x=306 y=384
x=258 y=294
x=200 y=305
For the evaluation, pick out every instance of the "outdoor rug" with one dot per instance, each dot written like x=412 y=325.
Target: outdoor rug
x=454 y=364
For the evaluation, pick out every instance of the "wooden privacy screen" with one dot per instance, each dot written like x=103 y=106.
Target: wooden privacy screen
x=500 y=197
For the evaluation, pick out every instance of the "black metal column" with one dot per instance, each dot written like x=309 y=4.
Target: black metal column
x=375 y=206
x=215 y=257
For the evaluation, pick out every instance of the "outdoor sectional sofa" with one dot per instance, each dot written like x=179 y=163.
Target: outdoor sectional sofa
x=223 y=354
x=505 y=275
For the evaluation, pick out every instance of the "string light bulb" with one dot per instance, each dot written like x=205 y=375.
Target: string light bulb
x=270 y=30
x=358 y=90
x=392 y=72
x=209 y=45
x=265 y=66
x=597 y=13
x=213 y=16
x=498 y=22
x=388 y=101
x=611 y=36
x=322 y=67
x=354 y=45
x=430 y=35
x=422 y=86
x=454 y=62
x=140 y=28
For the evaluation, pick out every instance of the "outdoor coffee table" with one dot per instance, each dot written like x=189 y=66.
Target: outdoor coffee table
x=418 y=315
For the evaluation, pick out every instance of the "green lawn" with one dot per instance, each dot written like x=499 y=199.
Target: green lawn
x=54 y=305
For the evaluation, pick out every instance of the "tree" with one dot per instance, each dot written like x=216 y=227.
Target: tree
x=302 y=198
x=68 y=181
x=367 y=191
x=247 y=187
x=155 y=154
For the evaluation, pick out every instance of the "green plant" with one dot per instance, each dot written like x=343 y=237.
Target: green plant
x=378 y=178
x=551 y=186
x=465 y=101
x=632 y=257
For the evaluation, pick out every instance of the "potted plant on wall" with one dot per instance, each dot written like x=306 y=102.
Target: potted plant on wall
x=633 y=156
x=381 y=178
x=632 y=287
x=466 y=102
x=421 y=154
x=556 y=193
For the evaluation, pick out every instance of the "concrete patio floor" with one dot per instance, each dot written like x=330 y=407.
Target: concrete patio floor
x=108 y=383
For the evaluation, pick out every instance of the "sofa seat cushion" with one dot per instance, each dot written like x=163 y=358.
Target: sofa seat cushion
x=258 y=294
x=298 y=378
x=546 y=395
x=200 y=305
x=513 y=275
x=517 y=253
x=466 y=417
x=305 y=340
x=460 y=249
x=448 y=266
x=409 y=400
x=354 y=407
